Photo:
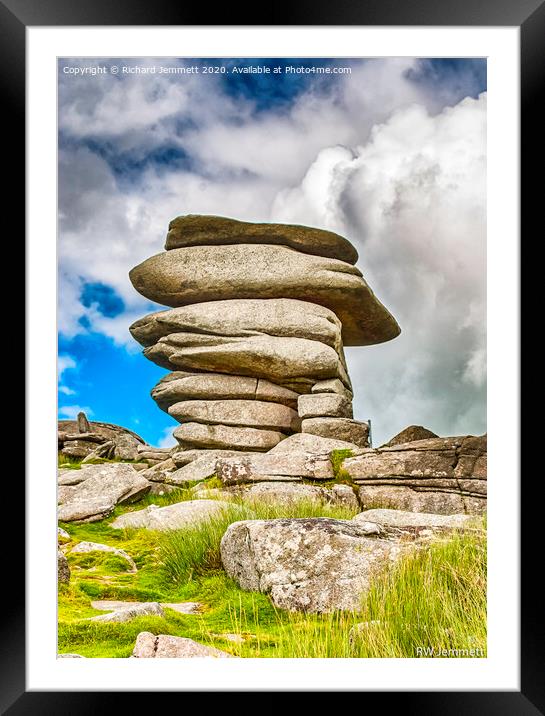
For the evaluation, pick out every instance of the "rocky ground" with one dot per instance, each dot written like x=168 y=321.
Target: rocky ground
x=305 y=550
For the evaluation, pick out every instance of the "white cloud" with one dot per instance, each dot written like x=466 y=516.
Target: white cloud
x=167 y=440
x=66 y=390
x=70 y=412
x=65 y=362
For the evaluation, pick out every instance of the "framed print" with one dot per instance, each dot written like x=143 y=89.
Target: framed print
x=273 y=321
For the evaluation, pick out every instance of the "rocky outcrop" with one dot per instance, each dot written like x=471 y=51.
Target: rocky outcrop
x=313 y=565
x=439 y=475
x=81 y=437
x=254 y=335
x=149 y=646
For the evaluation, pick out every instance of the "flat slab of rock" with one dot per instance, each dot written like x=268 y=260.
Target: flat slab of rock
x=113 y=605
x=418 y=500
x=331 y=405
x=172 y=517
x=197 y=230
x=237 y=413
x=225 y=437
x=106 y=486
x=86 y=547
x=149 y=646
x=185 y=457
x=258 y=468
x=281 y=317
x=352 y=431
x=312 y=565
x=199 y=274
x=130 y=612
x=288 y=361
x=285 y=493
x=402 y=518
x=306 y=442
x=159 y=471
x=179 y=386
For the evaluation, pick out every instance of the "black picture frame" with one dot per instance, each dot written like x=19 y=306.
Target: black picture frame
x=529 y=16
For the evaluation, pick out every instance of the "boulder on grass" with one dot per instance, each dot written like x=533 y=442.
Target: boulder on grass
x=149 y=646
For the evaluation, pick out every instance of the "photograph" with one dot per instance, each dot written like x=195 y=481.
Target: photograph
x=272 y=366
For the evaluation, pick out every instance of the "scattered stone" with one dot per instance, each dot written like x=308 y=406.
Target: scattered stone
x=351 y=431
x=318 y=405
x=172 y=517
x=63 y=568
x=113 y=605
x=127 y=613
x=62 y=535
x=86 y=547
x=312 y=565
x=149 y=646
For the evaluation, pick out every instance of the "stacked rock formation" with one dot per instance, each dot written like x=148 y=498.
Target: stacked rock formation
x=254 y=336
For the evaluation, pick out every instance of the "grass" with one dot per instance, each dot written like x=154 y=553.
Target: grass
x=435 y=598
x=337 y=458
x=67 y=461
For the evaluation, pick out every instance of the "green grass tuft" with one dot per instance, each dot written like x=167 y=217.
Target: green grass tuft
x=337 y=458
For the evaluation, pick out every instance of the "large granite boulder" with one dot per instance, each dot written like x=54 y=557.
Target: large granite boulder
x=178 y=386
x=306 y=442
x=149 y=646
x=312 y=565
x=198 y=230
x=199 y=274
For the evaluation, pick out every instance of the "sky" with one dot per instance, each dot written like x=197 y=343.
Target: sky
x=391 y=154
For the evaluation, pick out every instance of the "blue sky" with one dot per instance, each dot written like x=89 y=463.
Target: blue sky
x=391 y=155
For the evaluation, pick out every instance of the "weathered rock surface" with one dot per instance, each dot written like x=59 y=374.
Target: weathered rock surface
x=225 y=437
x=127 y=614
x=305 y=442
x=288 y=361
x=87 y=547
x=409 y=435
x=314 y=565
x=126 y=447
x=351 y=431
x=179 y=386
x=281 y=317
x=81 y=438
x=62 y=535
x=401 y=518
x=115 y=605
x=259 y=468
x=237 y=413
x=185 y=457
x=318 y=405
x=160 y=471
x=172 y=517
x=210 y=273
x=98 y=494
x=149 y=646
x=413 y=500
x=197 y=230
x=284 y=493
x=63 y=568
